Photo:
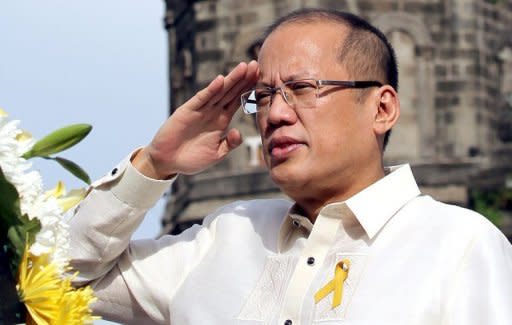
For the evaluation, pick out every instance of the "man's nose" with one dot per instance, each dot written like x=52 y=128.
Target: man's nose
x=280 y=111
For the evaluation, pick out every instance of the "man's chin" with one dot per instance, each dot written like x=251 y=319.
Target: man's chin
x=285 y=173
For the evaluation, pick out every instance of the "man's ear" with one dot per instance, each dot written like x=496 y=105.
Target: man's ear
x=388 y=110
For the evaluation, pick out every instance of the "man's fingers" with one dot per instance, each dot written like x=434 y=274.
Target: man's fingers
x=232 y=140
x=222 y=89
x=232 y=106
x=205 y=95
x=233 y=79
x=245 y=84
x=252 y=77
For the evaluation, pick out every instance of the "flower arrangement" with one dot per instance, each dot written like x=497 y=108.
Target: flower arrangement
x=35 y=277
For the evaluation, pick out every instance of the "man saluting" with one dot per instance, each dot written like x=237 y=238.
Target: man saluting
x=359 y=244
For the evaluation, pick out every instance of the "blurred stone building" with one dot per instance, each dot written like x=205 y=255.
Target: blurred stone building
x=455 y=59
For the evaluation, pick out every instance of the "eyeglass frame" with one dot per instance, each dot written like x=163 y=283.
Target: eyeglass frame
x=345 y=84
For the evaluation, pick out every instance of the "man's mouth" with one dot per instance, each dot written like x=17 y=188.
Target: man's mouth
x=282 y=147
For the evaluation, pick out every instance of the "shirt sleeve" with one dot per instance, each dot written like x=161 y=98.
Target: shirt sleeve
x=482 y=288
x=127 y=275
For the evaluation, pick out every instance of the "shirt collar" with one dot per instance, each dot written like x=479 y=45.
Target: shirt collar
x=376 y=204
x=371 y=207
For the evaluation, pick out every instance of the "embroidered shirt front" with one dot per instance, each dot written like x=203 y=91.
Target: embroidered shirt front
x=412 y=259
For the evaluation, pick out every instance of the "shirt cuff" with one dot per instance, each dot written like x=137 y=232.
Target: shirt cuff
x=137 y=190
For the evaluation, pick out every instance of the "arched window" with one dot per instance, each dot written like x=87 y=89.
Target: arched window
x=414 y=138
x=404 y=142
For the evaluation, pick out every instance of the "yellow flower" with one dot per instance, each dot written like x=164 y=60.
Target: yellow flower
x=71 y=199
x=74 y=309
x=24 y=136
x=58 y=191
x=66 y=200
x=39 y=287
x=49 y=298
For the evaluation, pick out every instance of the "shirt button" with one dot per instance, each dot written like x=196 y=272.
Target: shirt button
x=114 y=171
x=311 y=260
x=288 y=322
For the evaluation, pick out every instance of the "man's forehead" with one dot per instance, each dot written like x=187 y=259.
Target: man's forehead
x=300 y=50
x=290 y=34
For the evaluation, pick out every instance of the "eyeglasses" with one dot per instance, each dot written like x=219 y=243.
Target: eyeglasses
x=297 y=93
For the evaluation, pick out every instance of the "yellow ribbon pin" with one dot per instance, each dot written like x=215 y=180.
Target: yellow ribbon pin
x=336 y=284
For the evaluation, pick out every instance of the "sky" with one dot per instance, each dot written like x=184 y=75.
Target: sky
x=98 y=62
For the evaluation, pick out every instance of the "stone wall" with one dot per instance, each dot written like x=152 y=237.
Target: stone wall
x=455 y=60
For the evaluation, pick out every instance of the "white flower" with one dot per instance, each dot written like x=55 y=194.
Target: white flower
x=53 y=236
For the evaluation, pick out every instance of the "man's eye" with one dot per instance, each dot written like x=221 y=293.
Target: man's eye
x=301 y=88
x=262 y=96
x=301 y=85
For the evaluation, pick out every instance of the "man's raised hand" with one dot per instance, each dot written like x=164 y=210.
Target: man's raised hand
x=196 y=135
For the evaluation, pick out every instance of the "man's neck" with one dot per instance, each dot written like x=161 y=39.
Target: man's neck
x=311 y=205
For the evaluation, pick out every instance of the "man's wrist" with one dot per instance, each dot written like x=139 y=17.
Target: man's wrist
x=144 y=164
x=136 y=189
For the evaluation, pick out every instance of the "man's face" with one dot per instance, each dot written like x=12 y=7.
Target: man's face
x=312 y=151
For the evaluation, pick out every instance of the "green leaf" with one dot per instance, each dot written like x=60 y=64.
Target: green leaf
x=59 y=140
x=24 y=232
x=18 y=235
x=15 y=228
x=10 y=212
x=17 y=238
x=30 y=227
x=73 y=168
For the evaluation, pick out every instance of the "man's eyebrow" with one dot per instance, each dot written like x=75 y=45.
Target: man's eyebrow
x=300 y=75
x=295 y=76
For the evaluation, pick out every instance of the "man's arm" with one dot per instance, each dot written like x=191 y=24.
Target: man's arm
x=140 y=276
x=134 y=280
x=482 y=285
x=104 y=222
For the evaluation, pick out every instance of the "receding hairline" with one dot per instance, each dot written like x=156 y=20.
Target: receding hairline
x=307 y=20
x=305 y=17
x=348 y=33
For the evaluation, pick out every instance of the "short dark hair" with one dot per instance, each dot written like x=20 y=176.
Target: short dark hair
x=369 y=52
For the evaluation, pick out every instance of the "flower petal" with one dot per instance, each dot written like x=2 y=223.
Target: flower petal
x=71 y=199
x=58 y=191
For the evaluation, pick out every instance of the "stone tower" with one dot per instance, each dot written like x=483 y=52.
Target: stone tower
x=455 y=61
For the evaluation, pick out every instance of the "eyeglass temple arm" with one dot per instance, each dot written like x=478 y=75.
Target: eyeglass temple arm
x=351 y=84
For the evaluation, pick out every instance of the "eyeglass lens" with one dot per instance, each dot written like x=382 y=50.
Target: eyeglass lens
x=301 y=93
